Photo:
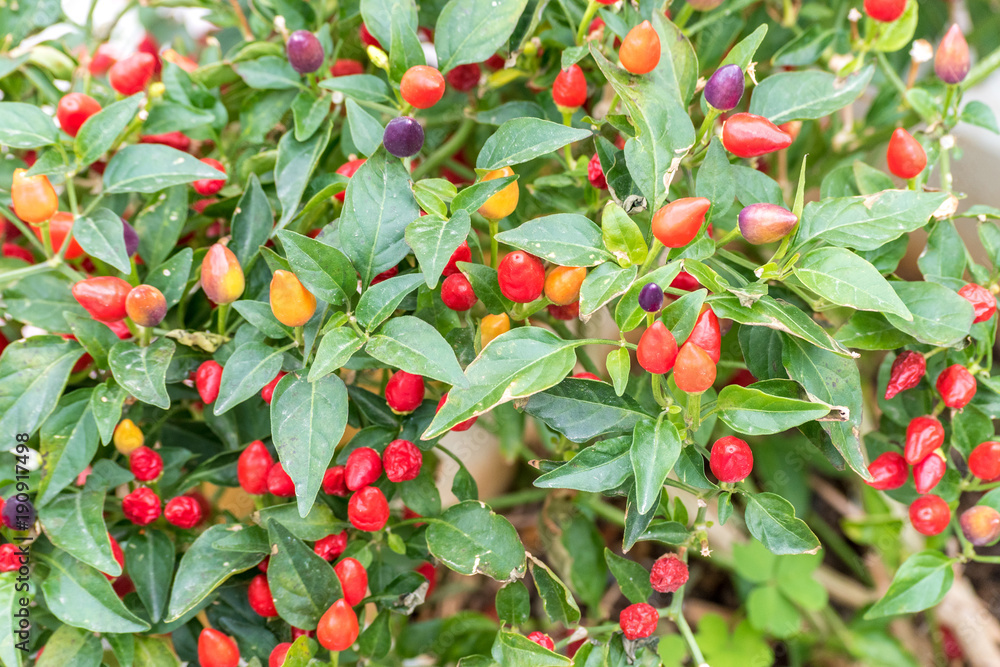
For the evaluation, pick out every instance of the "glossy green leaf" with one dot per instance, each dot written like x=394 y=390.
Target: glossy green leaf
x=324 y=270
x=252 y=221
x=817 y=94
x=153 y=167
x=378 y=301
x=334 y=350
x=416 y=347
x=302 y=583
x=778 y=315
x=920 y=583
x=603 y=284
x=71 y=646
x=154 y=652
x=841 y=277
x=99 y=133
x=600 y=467
x=434 y=239
x=771 y=519
x=246 y=372
x=80 y=596
x=655 y=448
x=557 y=600
x=150 y=558
x=160 y=223
x=366 y=131
x=33 y=372
x=171 y=277
x=68 y=442
x=940 y=315
x=470 y=32
x=486 y=284
x=268 y=73
x=632 y=578
x=524 y=139
x=75 y=523
x=26 y=126
x=512 y=649
x=471 y=539
x=142 y=371
x=474 y=196
x=583 y=409
x=295 y=164
x=752 y=411
x=566 y=239
x=101 y=235
x=513 y=603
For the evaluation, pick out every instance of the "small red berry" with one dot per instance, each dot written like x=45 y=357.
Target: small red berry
x=694 y=370
x=638 y=621
x=657 y=349
x=252 y=468
x=145 y=464
x=464 y=77
x=930 y=514
x=640 y=50
x=73 y=111
x=929 y=472
x=348 y=169
x=421 y=86
x=457 y=293
x=366 y=37
x=731 y=459
x=595 y=173
x=207 y=187
x=277 y=657
x=521 y=277
x=980 y=525
x=363 y=467
x=119 y=556
x=569 y=90
x=353 y=580
x=906 y=372
x=217 y=650
x=668 y=574
x=368 y=509
x=184 y=512
x=747 y=135
x=542 y=640
x=267 y=393
x=984 y=461
x=956 y=386
x=983 y=302
x=402 y=461
x=951 y=62
x=888 y=471
x=142 y=506
x=338 y=627
x=259 y=596
x=330 y=547
x=130 y=76
x=346 y=67
x=885 y=10
x=706 y=333
x=279 y=483
x=10 y=558
x=428 y=572
x=404 y=392
x=923 y=436
x=207 y=379
x=462 y=254
x=676 y=224
x=334 y=484
x=905 y=155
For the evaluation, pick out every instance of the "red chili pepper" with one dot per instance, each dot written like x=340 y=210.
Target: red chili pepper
x=748 y=135
x=457 y=293
x=368 y=509
x=330 y=547
x=338 y=627
x=402 y=461
x=638 y=621
x=694 y=370
x=668 y=574
x=421 y=86
x=353 y=580
x=346 y=67
x=463 y=426
x=252 y=468
x=259 y=597
x=74 y=110
x=980 y=524
x=706 y=334
x=595 y=173
x=207 y=187
x=462 y=254
x=984 y=461
x=983 y=302
x=119 y=556
x=464 y=77
x=929 y=472
x=279 y=483
x=569 y=90
x=930 y=514
x=267 y=393
x=676 y=224
x=888 y=471
x=184 y=512
x=542 y=640
x=521 y=277
x=217 y=650
x=333 y=482
x=103 y=297
x=886 y=11
x=906 y=372
x=131 y=75
x=657 y=349
x=640 y=50
x=905 y=156
x=404 y=392
x=923 y=436
x=363 y=467
x=176 y=139
x=142 y=506
x=951 y=62
x=278 y=653
x=731 y=459
x=145 y=464
x=956 y=386
x=103 y=59
x=348 y=169
x=207 y=379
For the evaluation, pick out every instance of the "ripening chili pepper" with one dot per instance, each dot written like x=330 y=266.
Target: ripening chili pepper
x=404 y=392
x=222 y=277
x=346 y=67
x=259 y=597
x=330 y=547
x=521 y=277
x=724 y=89
x=363 y=467
x=60 y=226
x=462 y=254
x=278 y=653
x=766 y=223
x=207 y=187
x=421 y=86
x=15 y=251
x=562 y=285
x=18 y=514
x=677 y=223
x=951 y=62
x=33 y=197
x=279 y=483
x=402 y=461
x=694 y=370
x=338 y=627
x=305 y=52
x=492 y=326
x=348 y=169
x=923 y=436
x=127 y=437
x=929 y=472
x=706 y=333
x=103 y=297
x=142 y=506
x=292 y=304
x=542 y=640
x=10 y=558
x=145 y=464
x=889 y=471
x=102 y=60
x=457 y=293
x=267 y=392
x=334 y=483
x=184 y=512
x=175 y=139
x=638 y=621
x=464 y=77
x=503 y=203
x=731 y=459
x=353 y=580
x=980 y=524
x=254 y=464
x=984 y=461
x=118 y=554
x=367 y=39
x=930 y=515
x=131 y=75
x=217 y=650
x=905 y=156
x=668 y=574
x=885 y=11
x=748 y=135
x=657 y=349
x=461 y=426
x=906 y=372
x=595 y=173
x=983 y=302
x=651 y=298
x=207 y=379
x=146 y=306
x=74 y=110
x=640 y=50
x=569 y=90
x=368 y=509
x=403 y=137
x=956 y=386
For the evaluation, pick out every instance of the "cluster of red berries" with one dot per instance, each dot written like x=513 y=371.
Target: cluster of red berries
x=694 y=362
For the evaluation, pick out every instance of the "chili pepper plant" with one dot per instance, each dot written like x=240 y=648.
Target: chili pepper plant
x=699 y=273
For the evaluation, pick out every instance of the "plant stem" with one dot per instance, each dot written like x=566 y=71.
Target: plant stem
x=17 y=274
x=588 y=16
x=494 y=244
x=223 y=315
x=242 y=18
x=446 y=150
x=710 y=117
x=694 y=412
x=518 y=498
x=602 y=509
x=684 y=15
x=654 y=252
x=25 y=231
x=729 y=237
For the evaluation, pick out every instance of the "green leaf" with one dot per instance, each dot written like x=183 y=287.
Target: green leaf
x=485 y=282
x=755 y=187
x=302 y=583
x=583 y=409
x=204 y=567
x=316 y=525
x=153 y=167
x=166 y=116
x=252 y=222
x=366 y=131
x=334 y=350
x=655 y=448
x=893 y=36
x=981 y=115
x=513 y=603
x=154 y=652
x=603 y=284
x=557 y=600
x=307 y=421
x=309 y=111
x=324 y=270
x=516 y=364
x=159 y=225
x=523 y=139
x=468 y=31
x=470 y=539
x=12 y=601
x=940 y=316
x=363 y=87
x=636 y=522
x=69 y=646
x=944 y=255
x=33 y=372
x=25 y=126
x=512 y=649
x=841 y=277
x=75 y=523
x=415 y=346
x=378 y=301
x=867 y=222
x=474 y=196
x=871 y=331
x=150 y=557
x=817 y=94
x=101 y=235
x=294 y=167
x=600 y=467
x=566 y=239
x=258 y=314
x=433 y=240
x=771 y=519
x=268 y=73
x=246 y=372
x=171 y=277
x=377 y=208
x=622 y=237
x=920 y=583
x=68 y=442
x=98 y=134
x=778 y=315
x=619 y=365
x=632 y=578
x=106 y=407
x=715 y=179
x=142 y=371
x=751 y=411
x=80 y=596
